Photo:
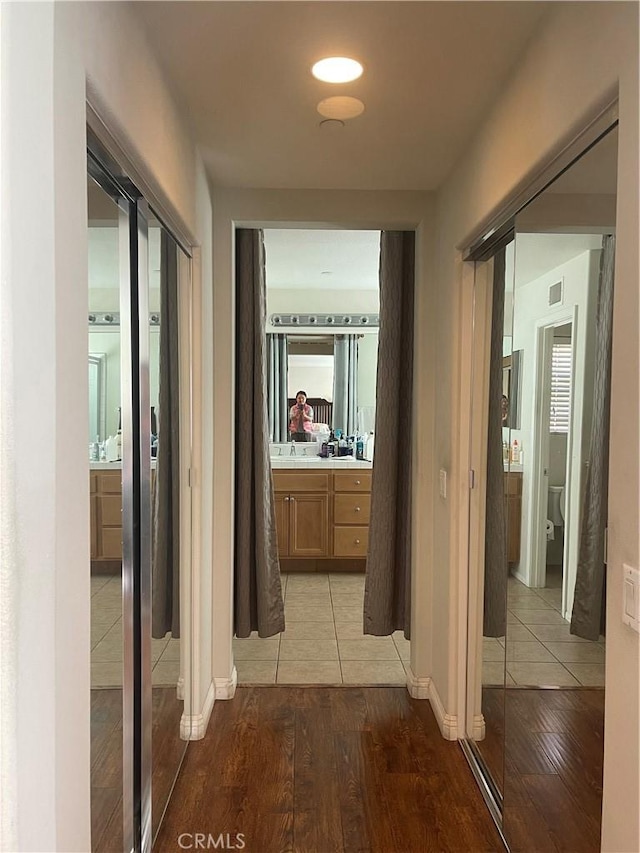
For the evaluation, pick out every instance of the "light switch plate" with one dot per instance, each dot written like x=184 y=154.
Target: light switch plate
x=631 y=597
x=443 y=483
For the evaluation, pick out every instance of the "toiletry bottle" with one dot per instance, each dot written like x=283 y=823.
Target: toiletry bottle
x=515 y=451
x=359 y=448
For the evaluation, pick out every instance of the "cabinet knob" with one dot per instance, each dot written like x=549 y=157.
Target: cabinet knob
x=357 y=542
x=292 y=499
x=357 y=482
x=357 y=509
x=286 y=499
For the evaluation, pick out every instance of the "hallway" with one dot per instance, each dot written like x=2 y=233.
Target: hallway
x=315 y=770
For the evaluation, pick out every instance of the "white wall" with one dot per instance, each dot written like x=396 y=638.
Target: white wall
x=280 y=301
x=581 y=54
x=50 y=55
x=531 y=313
x=363 y=210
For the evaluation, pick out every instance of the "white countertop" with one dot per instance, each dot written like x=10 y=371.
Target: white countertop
x=318 y=464
x=513 y=467
x=111 y=466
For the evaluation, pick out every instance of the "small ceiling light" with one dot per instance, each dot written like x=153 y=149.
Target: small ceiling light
x=337 y=69
x=340 y=107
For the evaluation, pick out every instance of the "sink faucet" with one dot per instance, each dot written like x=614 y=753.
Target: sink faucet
x=292 y=452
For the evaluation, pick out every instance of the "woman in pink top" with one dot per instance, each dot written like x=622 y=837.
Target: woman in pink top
x=301 y=419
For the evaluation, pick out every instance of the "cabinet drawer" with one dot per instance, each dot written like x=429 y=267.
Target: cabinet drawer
x=350 y=541
x=110 y=483
x=301 y=481
x=352 y=481
x=109 y=510
x=351 y=509
x=111 y=543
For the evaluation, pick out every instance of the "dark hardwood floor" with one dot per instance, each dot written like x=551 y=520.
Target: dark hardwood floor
x=553 y=769
x=327 y=770
x=106 y=762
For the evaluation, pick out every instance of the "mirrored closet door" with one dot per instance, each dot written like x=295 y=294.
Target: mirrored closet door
x=139 y=455
x=537 y=642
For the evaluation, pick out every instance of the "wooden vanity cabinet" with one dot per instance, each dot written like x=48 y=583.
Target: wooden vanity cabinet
x=351 y=510
x=106 y=519
x=302 y=513
x=322 y=514
x=513 y=505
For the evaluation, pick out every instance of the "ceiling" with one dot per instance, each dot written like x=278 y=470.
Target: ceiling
x=322 y=260
x=240 y=70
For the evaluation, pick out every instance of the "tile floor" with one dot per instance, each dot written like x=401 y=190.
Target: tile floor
x=323 y=642
x=106 y=640
x=540 y=651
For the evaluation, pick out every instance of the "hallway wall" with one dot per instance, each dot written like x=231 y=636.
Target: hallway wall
x=51 y=55
x=581 y=53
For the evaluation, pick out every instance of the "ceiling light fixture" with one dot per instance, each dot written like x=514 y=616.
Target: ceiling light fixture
x=337 y=69
x=340 y=107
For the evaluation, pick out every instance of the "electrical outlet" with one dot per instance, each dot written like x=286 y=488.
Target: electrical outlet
x=443 y=483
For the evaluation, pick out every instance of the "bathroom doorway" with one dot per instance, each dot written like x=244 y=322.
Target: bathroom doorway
x=560 y=408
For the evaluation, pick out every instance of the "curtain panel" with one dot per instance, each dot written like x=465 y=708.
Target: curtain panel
x=496 y=567
x=387 y=601
x=165 y=587
x=258 y=604
x=277 y=376
x=345 y=383
x=587 y=618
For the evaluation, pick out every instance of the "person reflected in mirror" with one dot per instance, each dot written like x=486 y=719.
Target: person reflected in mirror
x=301 y=418
x=505 y=410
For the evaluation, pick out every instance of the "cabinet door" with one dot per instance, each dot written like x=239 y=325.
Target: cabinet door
x=93 y=526
x=282 y=523
x=308 y=525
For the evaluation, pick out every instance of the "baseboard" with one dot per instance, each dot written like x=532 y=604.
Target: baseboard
x=418 y=687
x=479 y=727
x=448 y=723
x=226 y=687
x=194 y=727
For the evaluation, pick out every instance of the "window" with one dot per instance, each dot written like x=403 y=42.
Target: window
x=560 y=410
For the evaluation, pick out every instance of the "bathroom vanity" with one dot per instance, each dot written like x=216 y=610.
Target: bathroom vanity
x=322 y=510
x=105 y=490
x=513 y=502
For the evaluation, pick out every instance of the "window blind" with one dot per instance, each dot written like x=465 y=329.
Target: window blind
x=560 y=387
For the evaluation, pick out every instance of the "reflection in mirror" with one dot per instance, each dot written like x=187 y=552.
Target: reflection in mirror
x=562 y=324
x=106 y=530
x=311 y=273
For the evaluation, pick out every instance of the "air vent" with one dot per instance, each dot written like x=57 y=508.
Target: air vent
x=555 y=293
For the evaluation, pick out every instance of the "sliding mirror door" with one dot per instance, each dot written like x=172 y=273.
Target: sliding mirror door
x=493 y=522
x=554 y=705
x=139 y=373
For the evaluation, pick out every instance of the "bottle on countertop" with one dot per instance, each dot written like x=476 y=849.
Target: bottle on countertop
x=359 y=447
x=369 y=447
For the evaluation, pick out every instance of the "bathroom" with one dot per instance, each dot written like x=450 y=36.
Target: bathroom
x=319 y=285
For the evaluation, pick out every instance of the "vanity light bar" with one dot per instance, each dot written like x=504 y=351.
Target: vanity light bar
x=112 y=318
x=325 y=320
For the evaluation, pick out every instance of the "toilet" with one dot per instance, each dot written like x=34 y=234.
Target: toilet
x=555 y=510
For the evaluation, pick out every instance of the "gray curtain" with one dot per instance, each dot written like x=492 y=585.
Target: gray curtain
x=496 y=568
x=258 y=604
x=277 y=374
x=165 y=588
x=387 y=598
x=345 y=383
x=587 y=619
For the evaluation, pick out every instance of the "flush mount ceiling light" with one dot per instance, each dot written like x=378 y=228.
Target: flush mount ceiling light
x=337 y=69
x=340 y=107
